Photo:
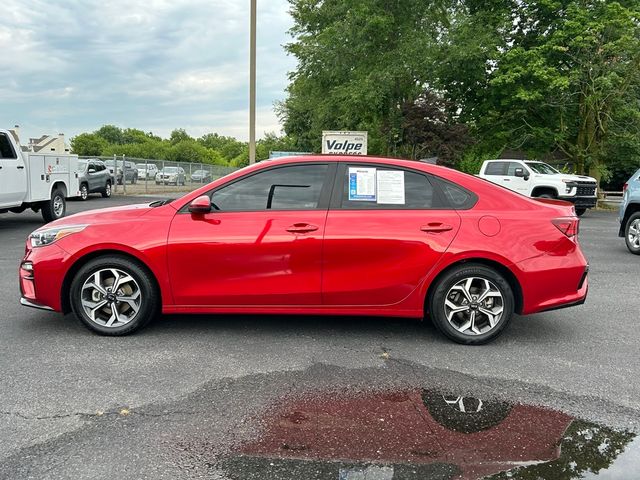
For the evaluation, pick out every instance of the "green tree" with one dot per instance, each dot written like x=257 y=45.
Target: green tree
x=228 y=147
x=359 y=61
x=88 y=144
x=179 y=135
x=110 y=134
x=545 y=76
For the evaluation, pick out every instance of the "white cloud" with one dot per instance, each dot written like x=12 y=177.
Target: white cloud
x=155 y=65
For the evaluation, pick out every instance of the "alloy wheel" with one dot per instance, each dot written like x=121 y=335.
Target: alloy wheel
x=111 y=297
x=58 y=206
x=474 y=306
x=634 y=233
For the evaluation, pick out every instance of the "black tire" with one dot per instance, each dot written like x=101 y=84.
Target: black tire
x=464 y=414
x=445 y=287
x=633 y=244
x=149 y=304
x=580 y=211
x=106 y=191
x=55 y=207
x=84 y=192
x=546 y=195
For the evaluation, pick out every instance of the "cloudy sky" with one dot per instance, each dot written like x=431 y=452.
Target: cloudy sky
x=71 y=66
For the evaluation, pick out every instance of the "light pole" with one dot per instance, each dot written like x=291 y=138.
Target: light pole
x=252 y=86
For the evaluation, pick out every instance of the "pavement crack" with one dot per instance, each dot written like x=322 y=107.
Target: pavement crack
x=115 y=413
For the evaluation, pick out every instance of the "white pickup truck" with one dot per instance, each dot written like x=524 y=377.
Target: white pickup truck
x=537 y=179
x=39 y=181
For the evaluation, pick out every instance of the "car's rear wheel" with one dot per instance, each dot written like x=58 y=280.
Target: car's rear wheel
x=106 y=192
x=55 y=207
x=84 y=191
x=471 y=304
x=113 y=295
x=632 y=233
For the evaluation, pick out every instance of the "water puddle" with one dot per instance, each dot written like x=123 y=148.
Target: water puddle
x=427 y=434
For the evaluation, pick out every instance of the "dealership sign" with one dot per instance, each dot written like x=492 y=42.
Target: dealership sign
x=344 y=143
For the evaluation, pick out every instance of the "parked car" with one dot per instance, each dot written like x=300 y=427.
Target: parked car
x=147 y=171
x=118 y=167
x=332 y=235
x=538 y=179
x=94 y=176
x=171 y=175
x=629 y=214
x=35 y=180
x=201 y=176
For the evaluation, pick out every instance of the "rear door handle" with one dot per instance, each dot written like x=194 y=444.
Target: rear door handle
x=436 y=227
x=20 y=167
x=302 y=228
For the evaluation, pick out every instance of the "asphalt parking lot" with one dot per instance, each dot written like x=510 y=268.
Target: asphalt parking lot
x=172 y=400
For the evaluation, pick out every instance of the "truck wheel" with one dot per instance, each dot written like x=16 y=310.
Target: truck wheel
x=106 y=193
x=471 y=304
x=546 y=195
x=580 y=211
x=632 y=233
x=84 y=191
x=55 y=207
x=113 y=295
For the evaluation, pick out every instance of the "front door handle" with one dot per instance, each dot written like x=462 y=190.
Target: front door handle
x=436 y=227
x=20 y=167
x=302 y=228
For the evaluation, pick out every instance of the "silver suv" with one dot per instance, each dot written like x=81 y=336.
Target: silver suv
x=94 y=176
x=629 y=214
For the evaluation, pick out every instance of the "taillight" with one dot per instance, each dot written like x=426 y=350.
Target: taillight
x=624 y=187
x=567 y=225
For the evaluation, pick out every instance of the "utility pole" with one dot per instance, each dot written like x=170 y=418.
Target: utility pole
x=252 y=86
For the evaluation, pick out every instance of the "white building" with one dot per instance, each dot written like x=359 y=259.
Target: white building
x=44 y=144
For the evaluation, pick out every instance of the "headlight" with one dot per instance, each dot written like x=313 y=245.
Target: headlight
x=47 y=236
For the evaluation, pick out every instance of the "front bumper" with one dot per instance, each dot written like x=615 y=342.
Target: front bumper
x=30 y=303
x=41 y=283
x=581 y=202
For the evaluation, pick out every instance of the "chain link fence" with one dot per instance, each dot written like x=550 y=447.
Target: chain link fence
x=135 y=176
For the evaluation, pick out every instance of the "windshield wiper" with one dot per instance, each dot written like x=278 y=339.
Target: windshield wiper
x=159 y=203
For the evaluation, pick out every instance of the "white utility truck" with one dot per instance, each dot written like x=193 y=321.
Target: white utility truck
x=39 y=181
x=538 y=179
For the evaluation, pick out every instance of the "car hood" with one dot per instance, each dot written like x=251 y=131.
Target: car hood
x=564 y=176
x=102 y=215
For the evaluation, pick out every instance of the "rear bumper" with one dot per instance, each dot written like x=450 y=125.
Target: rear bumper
x=550 y=282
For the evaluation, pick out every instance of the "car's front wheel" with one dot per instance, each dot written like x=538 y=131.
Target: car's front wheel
x=471 y=304
x=113 y=295
x=84 y=191
x=632 y=233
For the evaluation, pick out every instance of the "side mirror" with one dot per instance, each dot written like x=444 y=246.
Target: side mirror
x=91 y=170
x=521 y=173
x=200 y=205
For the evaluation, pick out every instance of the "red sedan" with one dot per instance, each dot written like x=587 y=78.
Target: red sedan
x=321 y=235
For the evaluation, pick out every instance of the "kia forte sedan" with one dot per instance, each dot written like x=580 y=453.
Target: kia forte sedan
x=328 y=235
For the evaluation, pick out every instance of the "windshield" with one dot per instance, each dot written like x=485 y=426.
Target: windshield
x=542 y=168
x=82 y=165
x=170 y=169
